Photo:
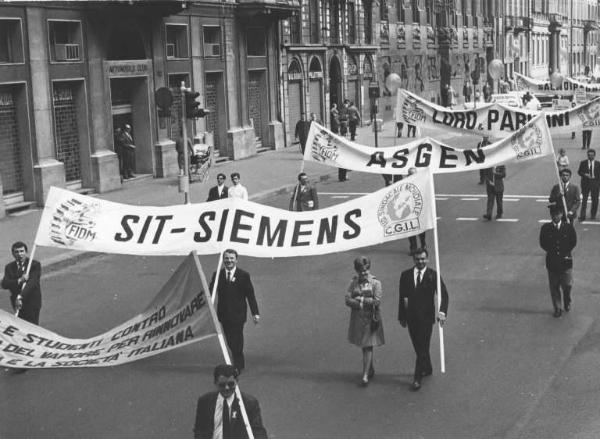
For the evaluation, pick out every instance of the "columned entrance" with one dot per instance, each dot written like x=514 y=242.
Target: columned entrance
x=335 y=82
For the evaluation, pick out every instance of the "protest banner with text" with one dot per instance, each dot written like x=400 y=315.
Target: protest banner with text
x=532 y=141
x=79 y=222
x=493 y=119
x=568 y=87
x=177 y=316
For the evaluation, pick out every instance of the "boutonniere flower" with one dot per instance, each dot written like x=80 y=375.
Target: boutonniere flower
x=233 y=414
x=233 y=279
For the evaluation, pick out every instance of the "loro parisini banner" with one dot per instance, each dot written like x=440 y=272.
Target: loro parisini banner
x=78 y=222
x=177 y=316
x=493 y=119
x=530 y=142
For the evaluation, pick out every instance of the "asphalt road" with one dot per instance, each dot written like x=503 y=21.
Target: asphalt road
x=512 y=370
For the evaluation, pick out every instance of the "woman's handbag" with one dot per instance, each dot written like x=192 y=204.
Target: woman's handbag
x=375 y=319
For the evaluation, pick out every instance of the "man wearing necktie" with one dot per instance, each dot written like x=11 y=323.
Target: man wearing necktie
x=558 y=239
x=218 y=413
x=589 y=171
x=234 y=290
x=25 y=291
x=417 y=310
x=571 y=192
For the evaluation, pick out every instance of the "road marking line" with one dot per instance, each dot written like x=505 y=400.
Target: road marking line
x=511 y=199
x=344 y=193
x=469 y=199
x=542 y=201
x=466 y=219
x=441 y=198
x=340 y=196
x=507 y=220
x=593 y=223
x=544 y=221
x=484 y=195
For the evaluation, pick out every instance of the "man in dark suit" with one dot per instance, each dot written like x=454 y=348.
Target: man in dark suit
x=494 y=183
x=558 y=239
x=25 y=291
x=234 y=290
x=417 y=310
x=571 y=192
x=218 y=414
x=589 y=171
x=305 y=195
x=220 y=190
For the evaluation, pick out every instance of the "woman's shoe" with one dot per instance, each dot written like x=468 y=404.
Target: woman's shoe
x=371 y=372
x=364 y=382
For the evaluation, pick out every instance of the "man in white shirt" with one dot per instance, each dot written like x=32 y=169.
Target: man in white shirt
x=218 y=413
x=237 y=190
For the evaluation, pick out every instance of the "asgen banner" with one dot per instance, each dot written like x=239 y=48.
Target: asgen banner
x=493 y=119
x=178 y=315
x=78 y=222
x=530 y=142
x=568 y=87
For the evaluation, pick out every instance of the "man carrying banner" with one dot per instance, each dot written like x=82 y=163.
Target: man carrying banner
x=494 y=182
x=558 y=239
x=218 y=413
x=571 y=192
x=25 y=291
x=417 y=311
x=234 y=289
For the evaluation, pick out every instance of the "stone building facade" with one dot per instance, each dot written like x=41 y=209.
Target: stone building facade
x=71 y=73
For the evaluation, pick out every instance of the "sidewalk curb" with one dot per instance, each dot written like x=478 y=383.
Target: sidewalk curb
x=71 y=257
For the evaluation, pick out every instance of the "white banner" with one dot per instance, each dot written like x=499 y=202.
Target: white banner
x=496 y=120
x=178 y=315
x=530 y=142
x=568 y=87
x=79 y=222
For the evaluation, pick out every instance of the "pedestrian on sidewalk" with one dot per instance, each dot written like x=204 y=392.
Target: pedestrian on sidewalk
x=353 y=120
x=219 y=191
x=218 y=413
x=128 y=150
x=301 y=132
x=344 y=117
x=416 y=309
x=558 y=239
x=305 y=195
x=237 y=190
x=494 y=183
x=334 y=119
x=365 y=330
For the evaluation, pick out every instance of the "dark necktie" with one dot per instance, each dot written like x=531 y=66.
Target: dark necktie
x=591 y=169
x=229 y=276
x=419 y=277
x=20 y=267
x=225 y=422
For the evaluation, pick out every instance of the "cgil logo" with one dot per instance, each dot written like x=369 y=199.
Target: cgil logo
x=73 y=221
x=529 y=143
x=400 y=209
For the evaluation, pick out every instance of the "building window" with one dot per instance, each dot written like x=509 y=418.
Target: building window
x=11 y=49
x=351 y=24
x=314 y=22
x=65 y=40
x=400 y=11
x=383 y=10
x=465 y=12
x=177 y=41
x=212 y=41
x=429 y=11
x=255 y=41
x=368 y=22
x=334 y=21
x=474 y=11
x=296 y=27
x=415 y=11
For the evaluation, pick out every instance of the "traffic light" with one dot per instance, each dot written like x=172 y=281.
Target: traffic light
x=192 y=106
